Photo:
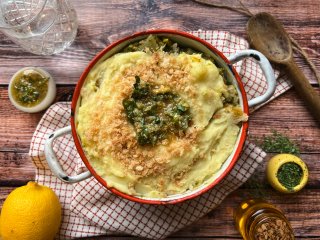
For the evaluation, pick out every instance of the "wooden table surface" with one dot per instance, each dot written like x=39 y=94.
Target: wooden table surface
x=101 y=22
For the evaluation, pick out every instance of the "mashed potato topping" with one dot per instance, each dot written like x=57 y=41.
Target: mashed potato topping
x=178 y=160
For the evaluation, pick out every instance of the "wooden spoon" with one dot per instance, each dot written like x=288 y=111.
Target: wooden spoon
x=268 y=36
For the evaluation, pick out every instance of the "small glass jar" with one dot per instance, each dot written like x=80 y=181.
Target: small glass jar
x=256 y=219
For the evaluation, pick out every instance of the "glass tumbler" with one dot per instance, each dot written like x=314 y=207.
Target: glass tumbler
x=42 y=27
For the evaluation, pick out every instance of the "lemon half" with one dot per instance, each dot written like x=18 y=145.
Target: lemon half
x=274 y=165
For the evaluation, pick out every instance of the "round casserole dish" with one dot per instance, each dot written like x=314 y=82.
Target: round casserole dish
x=186 y=40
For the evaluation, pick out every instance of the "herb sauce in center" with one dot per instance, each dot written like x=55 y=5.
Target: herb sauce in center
x=156 y=114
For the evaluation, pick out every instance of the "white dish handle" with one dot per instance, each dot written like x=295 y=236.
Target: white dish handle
x=266 y=69
x=53 y=162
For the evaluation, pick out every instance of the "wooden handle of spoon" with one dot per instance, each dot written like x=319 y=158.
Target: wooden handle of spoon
x=304 y=88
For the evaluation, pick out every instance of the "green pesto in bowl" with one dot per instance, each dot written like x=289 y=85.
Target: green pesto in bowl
x=29 y=88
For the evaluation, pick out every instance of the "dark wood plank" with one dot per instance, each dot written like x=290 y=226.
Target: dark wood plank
x=312 y=161
x=287 y=114
x=16 y=169
x=17 y=127
x=102 y=22
x=301 y=209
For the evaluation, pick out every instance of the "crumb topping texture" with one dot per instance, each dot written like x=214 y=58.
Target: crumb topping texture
x=173 y=164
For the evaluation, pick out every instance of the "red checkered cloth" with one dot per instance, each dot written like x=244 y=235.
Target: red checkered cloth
x=89 y=209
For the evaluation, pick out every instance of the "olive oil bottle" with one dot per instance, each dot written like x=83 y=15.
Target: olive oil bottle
x=258 y=220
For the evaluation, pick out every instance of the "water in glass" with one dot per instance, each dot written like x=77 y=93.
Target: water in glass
x=41 y=27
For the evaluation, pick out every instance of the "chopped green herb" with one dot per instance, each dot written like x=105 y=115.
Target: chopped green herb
x=30 y=88
x=155 y=43
x=289 y=175
x=276 y=143
x=155 y=116
x=279 y=143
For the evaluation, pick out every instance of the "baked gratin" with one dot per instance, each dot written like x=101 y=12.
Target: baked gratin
x=157 y=119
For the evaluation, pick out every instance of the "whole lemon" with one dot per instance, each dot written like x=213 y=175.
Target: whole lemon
x=30 y=212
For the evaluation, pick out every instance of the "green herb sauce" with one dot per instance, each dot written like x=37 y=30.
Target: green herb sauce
x=29 y=88
x=155 y=116
x=289 y=175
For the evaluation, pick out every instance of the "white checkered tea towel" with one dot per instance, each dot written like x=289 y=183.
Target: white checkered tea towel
x=90 y=210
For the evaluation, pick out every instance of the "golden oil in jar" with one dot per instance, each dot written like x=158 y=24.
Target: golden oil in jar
x=256 y=219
